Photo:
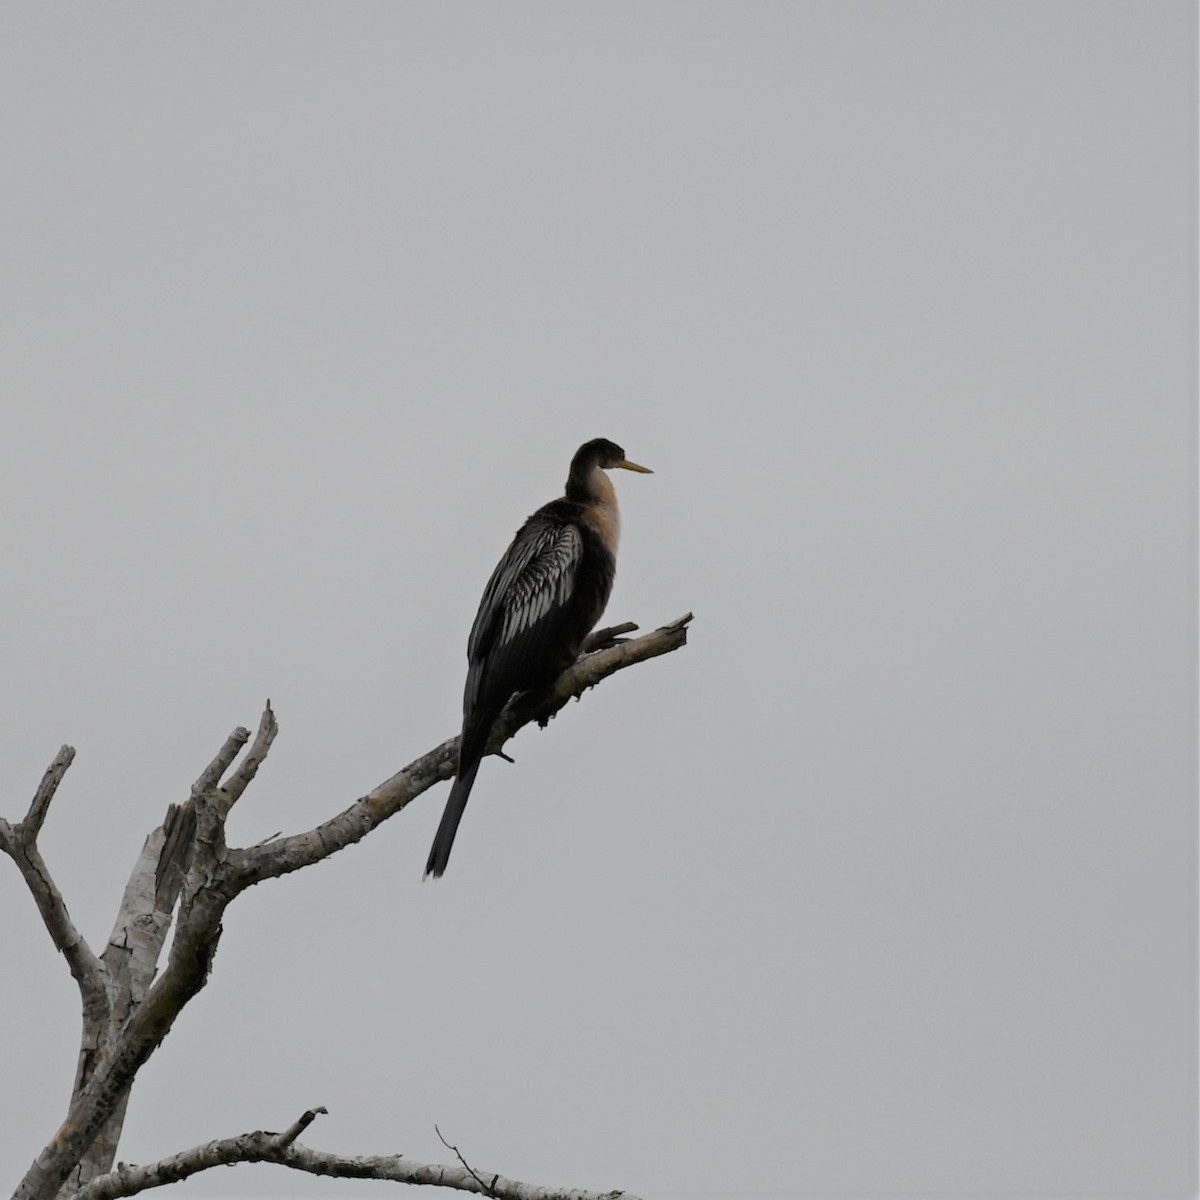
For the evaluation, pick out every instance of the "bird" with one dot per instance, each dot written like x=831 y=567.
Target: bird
x=543 y=599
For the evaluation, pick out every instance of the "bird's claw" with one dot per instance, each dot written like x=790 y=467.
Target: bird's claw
x=547 y=717
x=604 y=639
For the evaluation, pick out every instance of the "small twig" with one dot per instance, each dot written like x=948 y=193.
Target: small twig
x=289 y=1135
x=466 y=1165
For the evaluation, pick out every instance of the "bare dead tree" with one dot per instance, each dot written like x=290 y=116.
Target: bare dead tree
x=186 y=871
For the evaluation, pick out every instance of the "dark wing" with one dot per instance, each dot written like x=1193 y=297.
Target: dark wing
x=523 y=627
x=523 y=636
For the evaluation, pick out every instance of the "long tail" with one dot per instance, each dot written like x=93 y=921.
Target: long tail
x=439 y=855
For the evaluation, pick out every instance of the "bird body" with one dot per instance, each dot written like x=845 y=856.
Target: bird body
x=543 y=599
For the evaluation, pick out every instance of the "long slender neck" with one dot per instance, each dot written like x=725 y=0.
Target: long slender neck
x=594 y=490
x=588 y=483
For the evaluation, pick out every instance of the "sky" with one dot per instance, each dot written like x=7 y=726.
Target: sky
x=886 y=883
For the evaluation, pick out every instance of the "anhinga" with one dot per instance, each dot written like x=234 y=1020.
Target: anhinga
x=544 y=597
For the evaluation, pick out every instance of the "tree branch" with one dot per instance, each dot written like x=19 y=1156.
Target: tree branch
x=466 y=1166
x=46 y=789
x=116 y=1041
x=244 y=775
x=20 y=843
x=283 y=855
x=283 y=1150
x=211 y=775
x=300 y=1124
x=186 y=861
x=68 y=941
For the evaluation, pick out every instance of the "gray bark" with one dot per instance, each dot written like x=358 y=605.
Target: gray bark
x=185 y=870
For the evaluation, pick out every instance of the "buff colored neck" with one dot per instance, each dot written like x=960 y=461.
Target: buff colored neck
x=600 y=508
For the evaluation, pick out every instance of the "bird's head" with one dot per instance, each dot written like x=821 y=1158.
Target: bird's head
x=587 y=481
x=600 y=452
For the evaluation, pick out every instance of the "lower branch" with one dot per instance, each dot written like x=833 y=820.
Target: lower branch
x=283 y=1150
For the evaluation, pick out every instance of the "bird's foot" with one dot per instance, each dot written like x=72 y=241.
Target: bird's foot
x=605 y=639
x=547 y=717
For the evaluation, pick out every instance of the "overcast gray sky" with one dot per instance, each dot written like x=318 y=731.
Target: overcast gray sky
x=887 y=882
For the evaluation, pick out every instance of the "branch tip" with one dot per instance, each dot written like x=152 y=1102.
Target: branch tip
x=40 y=804
x=210 y=777
x=289 y=1135
x=488 y=1190
x=268 y=727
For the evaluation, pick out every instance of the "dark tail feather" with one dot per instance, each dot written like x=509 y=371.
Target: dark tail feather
x=439 y=855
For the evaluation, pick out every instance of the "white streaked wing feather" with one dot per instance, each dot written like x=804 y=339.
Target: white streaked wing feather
x=536 y=573
x=547 y=581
